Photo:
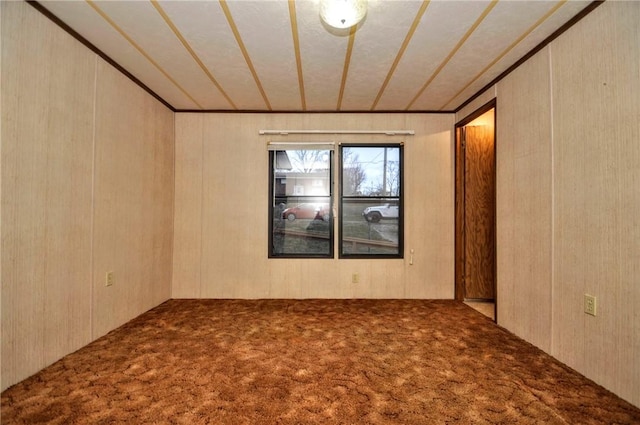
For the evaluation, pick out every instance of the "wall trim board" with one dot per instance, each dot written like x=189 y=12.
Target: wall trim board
x=588 y=9
x=245 y=111
x=36 y=5
x=571 y=22
x=478 y=112
x=77 y=135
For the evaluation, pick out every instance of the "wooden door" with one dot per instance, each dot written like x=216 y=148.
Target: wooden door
x=479 y=212
x=475 y=213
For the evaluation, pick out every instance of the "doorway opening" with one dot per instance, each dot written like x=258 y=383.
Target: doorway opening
x=475 y=209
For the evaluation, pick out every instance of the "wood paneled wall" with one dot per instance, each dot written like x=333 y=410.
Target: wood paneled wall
x=133 y=200
x=221 y=219
x=87 y=187
x=46 y=145
x=596 y=168
x=524 y=201
x=568 y=132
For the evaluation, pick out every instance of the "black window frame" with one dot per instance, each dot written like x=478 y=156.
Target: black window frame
x=273 y=202
x=399 y=198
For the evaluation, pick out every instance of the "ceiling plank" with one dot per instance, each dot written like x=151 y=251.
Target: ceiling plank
x=193 y=54
x=403 y=48
x=296 y=46
x=140 y=49
x=347 y=61
x=475 y=25
x=245 y=53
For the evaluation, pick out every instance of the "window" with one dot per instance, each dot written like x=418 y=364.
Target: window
x=301 y=198
x=371 y=219
x=302 y=201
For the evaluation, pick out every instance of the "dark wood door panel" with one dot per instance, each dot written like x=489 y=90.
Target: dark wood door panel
x=479 y=199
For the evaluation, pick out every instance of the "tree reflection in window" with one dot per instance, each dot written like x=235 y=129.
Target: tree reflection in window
x=301 y=200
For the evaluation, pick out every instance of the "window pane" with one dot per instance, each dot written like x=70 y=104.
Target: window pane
x=301 y=201
x=371 y=203
x=370 y=226
x=371 y=171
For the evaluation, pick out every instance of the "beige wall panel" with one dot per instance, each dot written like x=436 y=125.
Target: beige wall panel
x=484 y=98
x=233 y=257
x=46 y=192
x=234 y=206
x=133 y=215
x=187 y=245
x=590 y=244
x=289 y=276
x=523 y=205
x=429 y=214
x=596 y=98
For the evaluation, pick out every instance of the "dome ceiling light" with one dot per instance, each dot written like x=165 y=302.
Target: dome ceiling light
x=342 y=13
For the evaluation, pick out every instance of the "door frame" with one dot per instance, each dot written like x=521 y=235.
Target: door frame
x=459 y=207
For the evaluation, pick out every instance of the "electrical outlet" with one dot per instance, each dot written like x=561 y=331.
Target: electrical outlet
x=108 y=280
x=590 y=304
x=355 y=278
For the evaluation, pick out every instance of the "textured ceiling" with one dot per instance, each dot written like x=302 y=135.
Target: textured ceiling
x=276 y=55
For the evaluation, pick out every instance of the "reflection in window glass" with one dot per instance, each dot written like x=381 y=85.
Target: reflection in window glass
x=371 y=202
x=301 y=224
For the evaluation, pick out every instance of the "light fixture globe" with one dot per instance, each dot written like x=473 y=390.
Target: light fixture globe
x=342 y=13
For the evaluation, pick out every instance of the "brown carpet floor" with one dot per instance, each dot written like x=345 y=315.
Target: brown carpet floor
x=311 y=362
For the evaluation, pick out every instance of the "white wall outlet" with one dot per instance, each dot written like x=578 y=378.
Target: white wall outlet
x=590 y=304
x=109 y=278
x=355 y=278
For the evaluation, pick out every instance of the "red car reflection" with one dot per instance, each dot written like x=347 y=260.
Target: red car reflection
x=309 y=211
